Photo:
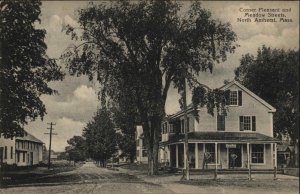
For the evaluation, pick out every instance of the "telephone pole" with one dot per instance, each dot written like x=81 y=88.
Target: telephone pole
x=50 y=134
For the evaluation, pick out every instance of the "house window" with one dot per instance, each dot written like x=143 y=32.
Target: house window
x=235 y=98
x=257 y=153
x=11 y=152
x=5 y=152
x=210 y=148
x=171 y=128
x=221 y=122
x=18 y=156
x=247 y=123
x=23 y=156
x=182 y=125
x=166 y=127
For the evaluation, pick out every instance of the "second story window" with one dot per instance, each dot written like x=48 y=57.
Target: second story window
x=171 y=128
x=182 y=125
x=221 y=122
x=247 y=123
x=235 y=98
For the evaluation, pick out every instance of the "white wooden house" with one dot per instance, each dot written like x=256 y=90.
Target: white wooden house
x=246 y=131
x=21 y=151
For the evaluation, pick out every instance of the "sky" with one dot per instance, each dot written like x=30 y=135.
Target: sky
x=78 y=98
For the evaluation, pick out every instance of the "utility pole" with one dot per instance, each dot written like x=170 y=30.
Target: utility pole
x=50 y=134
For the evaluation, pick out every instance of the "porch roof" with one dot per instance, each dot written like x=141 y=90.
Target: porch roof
x=218 y=136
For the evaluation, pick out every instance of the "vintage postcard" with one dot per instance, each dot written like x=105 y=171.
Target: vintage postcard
x=149 y=96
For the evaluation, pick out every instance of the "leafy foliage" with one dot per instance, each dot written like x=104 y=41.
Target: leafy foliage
x=25 y=67
x=77 y=150
x=273 y=75
x=125 y=118
x=213 y=99
x=101 y=137
x=137 y=50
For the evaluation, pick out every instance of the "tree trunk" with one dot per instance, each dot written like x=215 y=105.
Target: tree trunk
x=156 y=127
x=150 y=162
x=296 y=153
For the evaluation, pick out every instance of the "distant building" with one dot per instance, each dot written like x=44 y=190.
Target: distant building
x=141 y=150
x=285 y=154
x=21 y=151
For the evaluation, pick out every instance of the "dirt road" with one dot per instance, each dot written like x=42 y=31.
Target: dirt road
x=88 y=179
x=91 y=179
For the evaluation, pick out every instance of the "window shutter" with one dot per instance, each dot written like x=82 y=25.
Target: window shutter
x=253 y=123
x=241 y=123
x=240 y=98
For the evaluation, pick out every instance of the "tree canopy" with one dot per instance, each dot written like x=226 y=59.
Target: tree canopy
x=101 y=137
x=77 y=149
x=136 y=50
x=25 y=68
x=273 y=76
x=125 y=118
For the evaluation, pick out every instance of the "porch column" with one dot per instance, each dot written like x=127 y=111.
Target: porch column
x=216 y=160
x=196 y=156
x=248 y=161
x=169 y=155
x=176 y=155
x=274 y=154
x=184 y=151
x=275 y=150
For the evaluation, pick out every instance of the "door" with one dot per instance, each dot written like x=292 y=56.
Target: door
x=237 y=154
x=173 y=155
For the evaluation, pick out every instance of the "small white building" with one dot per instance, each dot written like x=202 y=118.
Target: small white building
x=21 y=151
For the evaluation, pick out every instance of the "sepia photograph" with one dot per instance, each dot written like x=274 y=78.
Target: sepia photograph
x=149 y=96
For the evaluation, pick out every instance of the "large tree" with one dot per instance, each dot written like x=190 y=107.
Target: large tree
x=25 y=69
x=101 y=136
x=137 y=50
x=77 y=149
x=274 y=76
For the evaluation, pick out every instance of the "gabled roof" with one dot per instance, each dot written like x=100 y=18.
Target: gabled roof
x=28 y=137
x=221 y=136
x=234 y=82
x=224 y=87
